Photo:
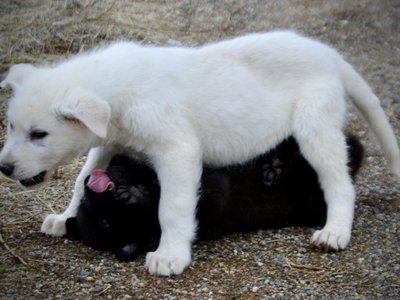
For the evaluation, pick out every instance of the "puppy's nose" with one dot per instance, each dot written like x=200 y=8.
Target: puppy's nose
x=6 y=169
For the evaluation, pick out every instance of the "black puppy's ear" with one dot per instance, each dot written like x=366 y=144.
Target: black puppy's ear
x=73 y=232
x=355 y=152
x=127 y=253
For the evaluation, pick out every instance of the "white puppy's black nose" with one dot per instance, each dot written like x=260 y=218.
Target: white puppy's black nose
x=6 y=169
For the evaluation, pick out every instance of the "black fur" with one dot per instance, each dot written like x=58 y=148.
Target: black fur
x=275 y=190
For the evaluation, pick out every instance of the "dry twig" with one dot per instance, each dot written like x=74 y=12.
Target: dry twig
x=20 y=259
x=306 y=267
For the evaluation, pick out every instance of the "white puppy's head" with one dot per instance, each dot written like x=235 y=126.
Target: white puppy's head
x=50 y=122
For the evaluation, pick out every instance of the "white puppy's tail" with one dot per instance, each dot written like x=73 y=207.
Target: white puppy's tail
x=369 y=106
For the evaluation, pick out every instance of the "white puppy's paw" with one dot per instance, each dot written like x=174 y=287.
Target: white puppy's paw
x=54 y=225
x=166 y=262
x=331 y=238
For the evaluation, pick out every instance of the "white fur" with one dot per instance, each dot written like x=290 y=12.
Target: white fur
x=178 y=107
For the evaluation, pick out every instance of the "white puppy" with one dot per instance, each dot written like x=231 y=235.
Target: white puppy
x=219 y=104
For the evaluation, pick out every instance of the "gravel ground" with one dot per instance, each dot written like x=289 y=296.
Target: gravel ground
x=273 y=264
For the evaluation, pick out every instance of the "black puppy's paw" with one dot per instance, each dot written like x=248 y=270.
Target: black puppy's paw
x=130 y=194
x=272 y=172
x=122 y=194
x=128 y=253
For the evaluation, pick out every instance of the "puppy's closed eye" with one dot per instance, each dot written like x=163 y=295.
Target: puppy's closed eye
x=36 y=135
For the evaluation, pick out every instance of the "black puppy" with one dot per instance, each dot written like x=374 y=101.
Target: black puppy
x=119 y=211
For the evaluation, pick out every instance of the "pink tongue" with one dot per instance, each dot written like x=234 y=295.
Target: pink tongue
x=99 y=181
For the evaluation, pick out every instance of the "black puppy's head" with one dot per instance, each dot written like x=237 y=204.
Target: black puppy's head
x=104 y=223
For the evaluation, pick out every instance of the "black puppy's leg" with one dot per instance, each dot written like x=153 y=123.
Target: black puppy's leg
x=130 y=194
x=72 y=227
x=272 y=171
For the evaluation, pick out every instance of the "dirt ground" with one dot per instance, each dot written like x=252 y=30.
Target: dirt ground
x=274 y=264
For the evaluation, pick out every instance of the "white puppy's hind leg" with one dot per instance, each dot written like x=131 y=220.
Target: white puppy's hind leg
x=54 y=224
x=326 y=152
x=322 y=142
x=179 y=172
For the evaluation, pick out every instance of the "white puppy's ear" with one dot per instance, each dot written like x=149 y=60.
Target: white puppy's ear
x=16 y=75
x=88 y=109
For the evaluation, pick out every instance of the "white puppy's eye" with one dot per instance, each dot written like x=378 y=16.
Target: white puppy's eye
x=11 y=126
x=37 y=135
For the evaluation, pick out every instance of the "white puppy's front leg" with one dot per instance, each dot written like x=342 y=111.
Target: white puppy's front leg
x=179 y=172
x=54 y=224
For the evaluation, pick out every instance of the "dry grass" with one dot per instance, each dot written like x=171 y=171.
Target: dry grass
x=366 y=31
x=36 y=30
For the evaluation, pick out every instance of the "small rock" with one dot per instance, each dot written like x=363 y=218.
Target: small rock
x=96 y=289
